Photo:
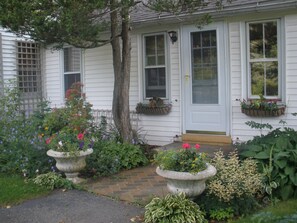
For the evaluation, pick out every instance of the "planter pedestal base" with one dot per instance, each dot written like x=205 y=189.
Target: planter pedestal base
x=190 y=184
x=70 y=164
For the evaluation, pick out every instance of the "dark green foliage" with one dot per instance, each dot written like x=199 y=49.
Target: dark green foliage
x=110 y=157
x=21 y=149
x=277 y=155
x=210 y=204
x=222 y=214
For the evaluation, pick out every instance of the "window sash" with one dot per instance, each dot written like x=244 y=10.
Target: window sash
x=268 y=84
x=71 y=66
x=155 y=66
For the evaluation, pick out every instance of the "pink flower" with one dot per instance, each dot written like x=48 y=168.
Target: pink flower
x=80 y=136
x=186 y=146
x=48 y=140
x=197 y=146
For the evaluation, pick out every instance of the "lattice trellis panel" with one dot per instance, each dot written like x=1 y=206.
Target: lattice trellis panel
x=29 y=74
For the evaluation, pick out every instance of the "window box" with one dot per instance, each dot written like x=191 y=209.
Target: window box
x=262 y=108
x=147 y=110
x=264 y=113
x=155 y=106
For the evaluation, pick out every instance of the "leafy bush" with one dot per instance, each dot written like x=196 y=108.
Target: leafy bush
x=173 y=208
x=234 y=179
x=110 y=157
x=222 y=214
x=21 y=150
x=53 y=180
x=235 y=186
x=182 y=160
x=277 y=154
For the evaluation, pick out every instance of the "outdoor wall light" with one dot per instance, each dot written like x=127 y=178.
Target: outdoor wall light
x=173 y=36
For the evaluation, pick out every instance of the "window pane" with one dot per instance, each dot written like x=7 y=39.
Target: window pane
x=271 y=79
x=155 y=50
x=155 y=79
x=204 y=68
x=264 y=54
x=256 y=41
x=70 y=79
x=257 y=78
x=72 y=59
x=270 y=39
x=150 y=50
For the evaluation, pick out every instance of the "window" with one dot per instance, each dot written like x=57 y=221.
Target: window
x=263 y=59
x=155 y=79
x=28 y=67
x=72 y=66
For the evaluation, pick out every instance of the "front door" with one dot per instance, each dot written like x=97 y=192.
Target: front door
x=204 y=79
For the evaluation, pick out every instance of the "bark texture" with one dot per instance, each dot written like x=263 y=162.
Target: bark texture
x=121 y=65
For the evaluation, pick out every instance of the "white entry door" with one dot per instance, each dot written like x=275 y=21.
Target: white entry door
x=204 y=79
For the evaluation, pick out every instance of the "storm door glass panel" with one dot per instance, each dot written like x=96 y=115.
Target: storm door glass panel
x=204 y=67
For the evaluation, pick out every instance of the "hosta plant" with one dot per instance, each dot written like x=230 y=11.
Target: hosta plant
x=173 y=208
x=276 y=153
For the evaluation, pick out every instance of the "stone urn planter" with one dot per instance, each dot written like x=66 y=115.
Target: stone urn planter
x=190 y=184
x=70 y=164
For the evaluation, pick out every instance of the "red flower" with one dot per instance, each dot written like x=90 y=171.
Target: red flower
x=186 y=146
x=197 y=146
x=80 y=136
x=48 y=140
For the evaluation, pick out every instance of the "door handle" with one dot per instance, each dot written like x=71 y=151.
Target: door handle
x=187 y=76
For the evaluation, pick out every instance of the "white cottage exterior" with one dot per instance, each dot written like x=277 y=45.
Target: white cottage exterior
x=250 y=45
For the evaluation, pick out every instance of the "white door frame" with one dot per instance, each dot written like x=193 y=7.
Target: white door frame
x=185 y=33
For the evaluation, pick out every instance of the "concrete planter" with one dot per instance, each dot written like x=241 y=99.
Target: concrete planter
x=190 y=184
x=70 y=164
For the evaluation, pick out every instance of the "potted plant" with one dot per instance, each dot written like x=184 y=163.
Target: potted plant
x=67 y=133
x=185 y=170
x=156 y=106
x=262 y=107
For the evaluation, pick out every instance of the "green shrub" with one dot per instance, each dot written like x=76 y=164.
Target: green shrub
x=222 y=214
x=173 y=208
x=236 y=185
x=234 y=178
x=110 y=157
x=276 y=153
x=52 y=181
x=21 y=150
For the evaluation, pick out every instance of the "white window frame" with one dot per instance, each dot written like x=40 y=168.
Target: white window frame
x=278 y=59
x=166 y=66
x=71 y=72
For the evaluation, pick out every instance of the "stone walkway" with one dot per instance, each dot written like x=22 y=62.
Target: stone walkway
x=141 y=184
x=138 y=185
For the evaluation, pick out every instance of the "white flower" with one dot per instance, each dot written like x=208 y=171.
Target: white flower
x=60 y=143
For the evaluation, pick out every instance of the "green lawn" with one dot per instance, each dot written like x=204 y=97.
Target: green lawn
x=14 y=189
x=282 y=212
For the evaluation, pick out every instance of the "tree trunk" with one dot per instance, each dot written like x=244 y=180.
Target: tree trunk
x=121 y=65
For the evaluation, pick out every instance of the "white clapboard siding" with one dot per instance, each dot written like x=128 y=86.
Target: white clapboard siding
x=8 y=47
